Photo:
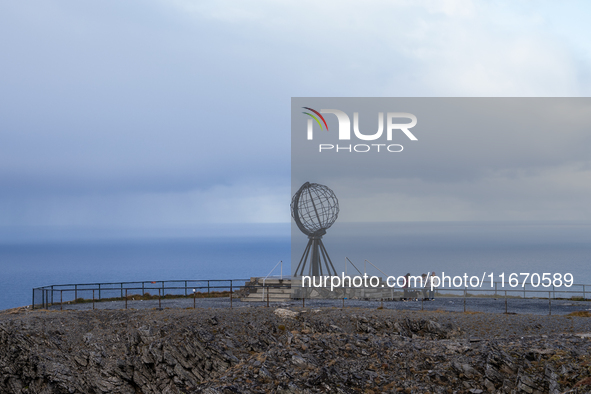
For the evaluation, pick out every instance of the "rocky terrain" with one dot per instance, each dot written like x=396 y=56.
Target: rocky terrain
x=266 y=350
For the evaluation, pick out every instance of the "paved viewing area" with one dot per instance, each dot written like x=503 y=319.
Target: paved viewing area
x=456 y=304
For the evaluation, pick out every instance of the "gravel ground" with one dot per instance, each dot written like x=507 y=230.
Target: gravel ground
x=490 y=305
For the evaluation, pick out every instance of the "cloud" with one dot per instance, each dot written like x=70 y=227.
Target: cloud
x=409 y=48
x=140 y=100
x=558 y=194
x=237 y=203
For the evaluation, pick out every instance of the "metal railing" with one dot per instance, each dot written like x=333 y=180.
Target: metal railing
x=81 y=292
x=229 y=289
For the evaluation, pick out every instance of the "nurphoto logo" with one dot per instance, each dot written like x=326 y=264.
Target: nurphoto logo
x=344 y=132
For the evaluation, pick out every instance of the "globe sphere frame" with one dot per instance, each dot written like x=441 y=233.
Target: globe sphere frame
x=314 y=208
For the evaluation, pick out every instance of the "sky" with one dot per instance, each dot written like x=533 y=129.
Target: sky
x=164 y=115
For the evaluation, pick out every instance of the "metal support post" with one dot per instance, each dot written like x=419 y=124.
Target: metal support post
x=464 y=300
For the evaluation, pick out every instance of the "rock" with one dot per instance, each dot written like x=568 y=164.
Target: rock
x=286 y=313
x=490 y=387
x=247 y=350
x=526 y=384
x=298 y=360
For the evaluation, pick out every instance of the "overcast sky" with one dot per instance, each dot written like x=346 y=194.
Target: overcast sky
x=475 y=159
x=176 y=113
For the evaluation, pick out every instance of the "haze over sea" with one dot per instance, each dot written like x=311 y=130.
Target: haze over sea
x=30 y=260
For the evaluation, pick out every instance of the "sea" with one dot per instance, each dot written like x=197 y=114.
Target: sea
x=454 y=248
x=26 y=265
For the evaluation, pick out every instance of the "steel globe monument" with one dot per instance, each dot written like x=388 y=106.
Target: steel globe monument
x=314 y=209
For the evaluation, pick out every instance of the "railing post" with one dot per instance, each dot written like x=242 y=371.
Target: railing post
x=142 y=289
x=464 y=300
x=185 y=288
x=159 y=300
x=125 y=298
x=230 y=294
x=163 y=292
x=584 y=298
x=52 y=295
x=61 y=300
x=92 y=298
x=267 y=296
x=99 y=289
x=495 y=288
x=194 y=295
x=33 y=300
x=122 y=291
x=208 y=287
